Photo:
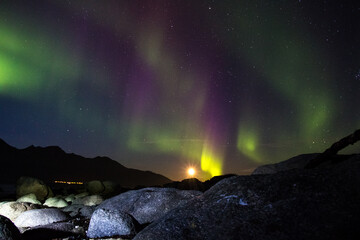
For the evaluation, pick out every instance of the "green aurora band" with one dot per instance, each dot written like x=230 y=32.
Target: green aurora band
x=162 y=98
x=31 y=63
x=287 y=65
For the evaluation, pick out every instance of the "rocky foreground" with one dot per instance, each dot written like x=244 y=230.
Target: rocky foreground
x=288 y=202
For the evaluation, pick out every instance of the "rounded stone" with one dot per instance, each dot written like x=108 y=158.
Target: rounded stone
x=38 y=217
x=56 y=202
x=110 y=223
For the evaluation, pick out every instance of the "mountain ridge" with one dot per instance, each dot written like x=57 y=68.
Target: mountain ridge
x=52 y=163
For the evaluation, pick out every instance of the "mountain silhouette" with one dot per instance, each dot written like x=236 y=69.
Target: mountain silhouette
x=53 y=164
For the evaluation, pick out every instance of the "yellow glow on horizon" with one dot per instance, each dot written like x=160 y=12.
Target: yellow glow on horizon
x=191 y=171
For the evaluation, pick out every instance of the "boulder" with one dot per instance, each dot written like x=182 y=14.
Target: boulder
x=295 y=204
x=8 y=231
x=73 y=209
x=38 y=217
x=214 y=180
x=58 y=230
x=298 y=162
x=56 y=202
x=26 y=185
x=79 y=210
x=89 y=200
x=29 y=198
x=12 y=210
x=103 y=188
x=148 y=204
x=87 y=211
x=95 y=187
x=110 y=223
x=301 y=161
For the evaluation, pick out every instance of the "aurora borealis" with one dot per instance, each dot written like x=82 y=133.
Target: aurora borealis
x=161 y=85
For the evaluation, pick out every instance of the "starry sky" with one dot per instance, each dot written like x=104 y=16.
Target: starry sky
x=223 y=86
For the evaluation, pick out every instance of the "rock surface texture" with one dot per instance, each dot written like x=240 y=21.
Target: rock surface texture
x=12 y=210
x=79 y=210
x=298 y=162
x=60 y=230
x=314 y=204
x=38 y=217
x=109 y=223
x=8 y=230
x=148 y=204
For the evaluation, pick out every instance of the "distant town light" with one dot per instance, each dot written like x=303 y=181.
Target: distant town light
x=67 y=182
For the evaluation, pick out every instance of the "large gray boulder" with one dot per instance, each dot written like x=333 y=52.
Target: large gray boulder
x=296 y=204
x=12 y=209
x=148 y=204
x=8 y=231
x=38 y=217
x=298 y=162
x=110 y=223
x=26 y=185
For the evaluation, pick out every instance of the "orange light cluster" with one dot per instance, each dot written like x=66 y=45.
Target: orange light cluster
x=66 y=182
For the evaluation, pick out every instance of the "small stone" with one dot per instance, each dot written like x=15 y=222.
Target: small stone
x=56 y=202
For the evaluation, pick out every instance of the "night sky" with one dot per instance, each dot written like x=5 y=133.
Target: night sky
x=224 y=86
